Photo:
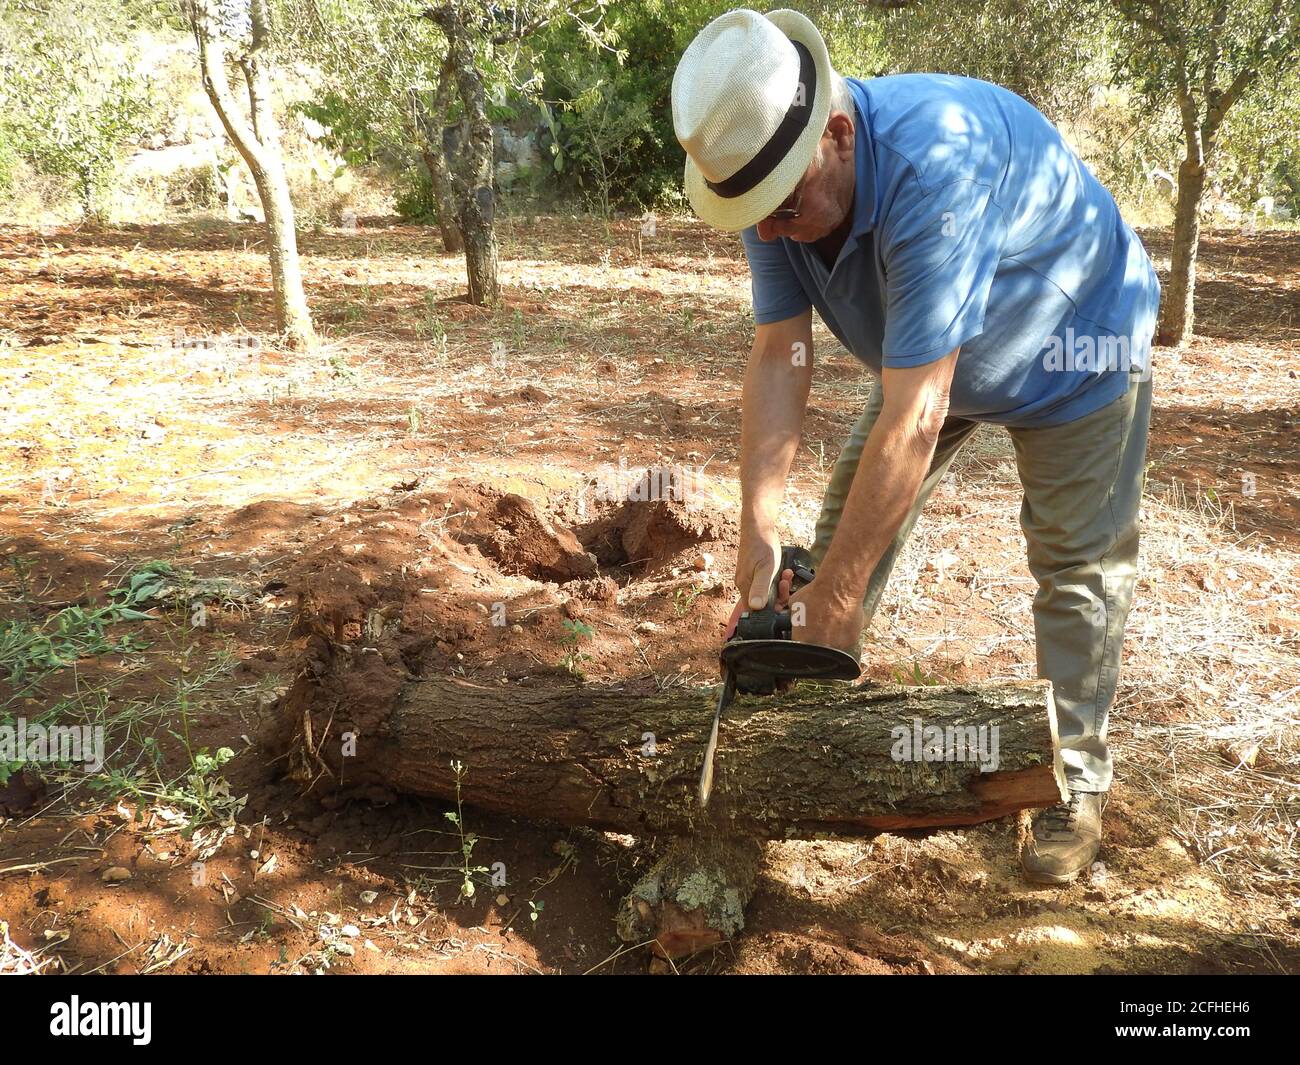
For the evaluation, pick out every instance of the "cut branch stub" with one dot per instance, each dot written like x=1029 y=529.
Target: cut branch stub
x=693 y=897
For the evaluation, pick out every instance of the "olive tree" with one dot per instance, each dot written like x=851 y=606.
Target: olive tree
x=241 y=30
x=71 y=96
x=1205 y=55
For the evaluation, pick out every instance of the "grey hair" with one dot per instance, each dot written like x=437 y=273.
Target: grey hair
x=841 y=98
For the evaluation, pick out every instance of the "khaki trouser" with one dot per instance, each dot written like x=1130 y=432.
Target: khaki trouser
x=1083 y=486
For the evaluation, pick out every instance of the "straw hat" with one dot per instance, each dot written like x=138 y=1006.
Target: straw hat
x=751 y=97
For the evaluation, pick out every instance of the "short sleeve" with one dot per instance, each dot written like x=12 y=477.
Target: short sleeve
x=940 y=251
x=776 y=291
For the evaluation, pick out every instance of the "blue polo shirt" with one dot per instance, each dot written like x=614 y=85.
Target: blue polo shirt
x=974 y=225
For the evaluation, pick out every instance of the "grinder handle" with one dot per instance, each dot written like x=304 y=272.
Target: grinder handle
x=771 y=623
x=799 y=561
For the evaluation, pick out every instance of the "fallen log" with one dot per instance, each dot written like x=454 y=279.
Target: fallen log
x=818 y=759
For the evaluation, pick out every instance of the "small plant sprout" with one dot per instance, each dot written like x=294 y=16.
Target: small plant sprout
x=575 y=631
x=684 y=599
x=467 y=839
x=916 y=676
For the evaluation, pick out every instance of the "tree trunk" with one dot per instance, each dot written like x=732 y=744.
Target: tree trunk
x=472 y=173
x=260 y=148
x=480 y=249
x=1177 y=317
x=1203 y=106
x=444 y=199
x=431 y=122
x=818 y=759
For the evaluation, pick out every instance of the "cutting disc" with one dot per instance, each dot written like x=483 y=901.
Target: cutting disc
x=787 y=658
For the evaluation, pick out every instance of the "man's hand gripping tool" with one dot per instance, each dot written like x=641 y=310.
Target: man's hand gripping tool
x=762 y=655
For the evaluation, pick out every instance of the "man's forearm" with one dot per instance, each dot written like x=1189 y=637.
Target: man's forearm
x=775 y=396
x=891 y=469
x=894 y=462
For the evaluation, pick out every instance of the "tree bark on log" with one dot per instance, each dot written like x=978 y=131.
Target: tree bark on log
x=819 y=759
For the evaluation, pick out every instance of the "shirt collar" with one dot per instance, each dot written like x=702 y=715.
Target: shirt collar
x=864 y=191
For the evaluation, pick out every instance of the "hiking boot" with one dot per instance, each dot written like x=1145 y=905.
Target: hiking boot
x=1065 y=840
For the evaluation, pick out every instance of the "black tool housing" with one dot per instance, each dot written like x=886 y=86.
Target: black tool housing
x=762 y=652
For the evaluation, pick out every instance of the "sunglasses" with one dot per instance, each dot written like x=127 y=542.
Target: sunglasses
x=788 y=211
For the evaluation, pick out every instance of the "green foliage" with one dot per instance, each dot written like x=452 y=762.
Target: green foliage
x=374 y=59
x=1107 y=71
x=32 y=651
x=83 y=144
x=1045 y=50
x=9 y=154
x=201 y=792
x=613 y=109
x=854 y=36
x=413 y=198
x=595 y=130
x=1169 y=47
x=71 y=97
x=1259 y=152
x=378 y=64
x=1228 y=72
x=351 y=130
x=916 y=676
x=574 y=631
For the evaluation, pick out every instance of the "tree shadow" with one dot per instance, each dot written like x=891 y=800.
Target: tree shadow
x=1242 y=289
x=1249 y=459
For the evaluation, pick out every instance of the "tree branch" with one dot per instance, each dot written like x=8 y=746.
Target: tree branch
x=212 y=60
x=1215 y=50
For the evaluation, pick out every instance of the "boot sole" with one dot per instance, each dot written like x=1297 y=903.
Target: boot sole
x=1050 y=878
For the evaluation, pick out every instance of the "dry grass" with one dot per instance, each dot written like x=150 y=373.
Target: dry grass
x=1207 y=684
x=14 y=960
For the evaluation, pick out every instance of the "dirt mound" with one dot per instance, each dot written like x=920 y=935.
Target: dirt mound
x=654 y=524
x=490 y=583
x=510 y=530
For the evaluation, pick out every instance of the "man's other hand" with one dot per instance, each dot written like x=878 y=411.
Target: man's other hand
x=825 y=619
x=756 y=560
